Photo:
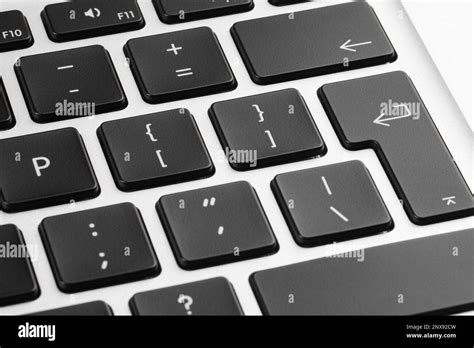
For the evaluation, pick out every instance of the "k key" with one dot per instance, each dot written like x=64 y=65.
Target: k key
x=386 y=113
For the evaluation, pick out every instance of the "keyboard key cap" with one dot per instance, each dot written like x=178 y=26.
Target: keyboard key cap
x=267 y=129
x=206 y=297
x=76 y=20
x=179 y=65
x=97 y=308
x=15 y=33
x=216 y=225
x=310 y=43
x=45 y=169
x=7 y=118
x=17 y=277
x=431 y=275
x=386 y=113
x=178 y=11
x=72 y=77
x=142 y=151
x=331 y=204
x=98 y=248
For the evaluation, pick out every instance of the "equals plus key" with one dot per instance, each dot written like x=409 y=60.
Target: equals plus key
x=77 y=20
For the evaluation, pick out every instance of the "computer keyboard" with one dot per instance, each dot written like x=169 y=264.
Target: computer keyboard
x=195 y=157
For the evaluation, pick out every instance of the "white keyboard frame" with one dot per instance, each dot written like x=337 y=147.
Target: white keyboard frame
x=413 y=59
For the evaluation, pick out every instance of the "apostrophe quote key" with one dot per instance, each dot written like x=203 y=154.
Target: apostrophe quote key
x=15 y=32
x=206 y=297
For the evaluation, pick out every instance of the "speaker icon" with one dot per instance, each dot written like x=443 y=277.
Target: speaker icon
x=92 y=12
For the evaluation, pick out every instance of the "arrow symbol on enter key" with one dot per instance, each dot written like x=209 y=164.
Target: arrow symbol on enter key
x=349 y=47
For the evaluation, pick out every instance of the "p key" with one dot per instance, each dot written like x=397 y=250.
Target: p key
x=69 y=84
x=45 y=169
x=386 y=113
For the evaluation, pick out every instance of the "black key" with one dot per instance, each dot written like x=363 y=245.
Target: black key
x=216 y=225
x=81 y=82
x=7 y=118
x=143 y=151
x=98 y=248
x=76 y=20
x=206 y=297
x=331 y=204
x=17 y=277
x=15 y=32
x=267 y=129
x=430 y=275
x=314 y=42
x=386 y=113
x=45 y=169
x=179 y=65
x=178 y=11
x=97 y=308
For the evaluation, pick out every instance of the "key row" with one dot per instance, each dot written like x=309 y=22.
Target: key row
x=191 y=63
x=374 y=281
x=255 y=132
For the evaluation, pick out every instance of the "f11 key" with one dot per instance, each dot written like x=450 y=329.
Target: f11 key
x=74 y=20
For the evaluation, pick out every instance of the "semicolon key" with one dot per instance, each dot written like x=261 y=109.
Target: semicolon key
x=386 y=113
